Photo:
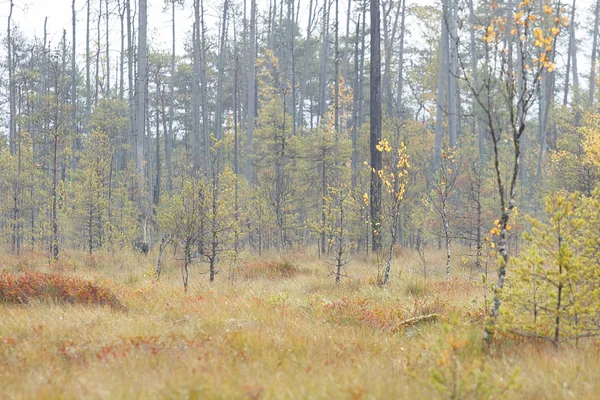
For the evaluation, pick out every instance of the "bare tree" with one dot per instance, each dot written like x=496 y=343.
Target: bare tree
x=505 y=102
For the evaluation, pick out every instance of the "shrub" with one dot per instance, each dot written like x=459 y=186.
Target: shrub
x=23 y=288
x=553 y=292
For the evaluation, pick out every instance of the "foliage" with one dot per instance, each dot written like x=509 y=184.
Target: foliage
x=462 y=372
x=339 y=225
x=553 y=294
x=573 y=167
x=89 y=192
x=181 y=215
x=394 y=176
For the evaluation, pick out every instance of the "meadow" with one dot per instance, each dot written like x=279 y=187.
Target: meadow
x=102 y=327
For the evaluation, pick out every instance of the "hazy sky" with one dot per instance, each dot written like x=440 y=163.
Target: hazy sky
x=29 y=16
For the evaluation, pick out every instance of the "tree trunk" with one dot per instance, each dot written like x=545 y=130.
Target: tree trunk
x=336 y=83
x=389 y=39
x=375 y=126
x=169 y=133
x=220 y=72
x=305 y=63
x=11 y=85
x=122 y=53
x=107 y=14
x=547 y=94
x=88 y=61
x=324 y=51
x=355 y=105
x=346 y=40
x=453 y=111
x=475 y=72
x=400 y=88
x=292 y=63
x=594 y=54
x=97 y=75
x=164 y=242
x=236 y=146
x=571 y=59
x=251 y=92
x=204 y=89
x=142 y=84
x=131 y=88
x=187 y=255
x=156 y=198
x=442 y=79
x=362 y=66
x=196 y=87
x=54 y=245
x=447 y=241
x=74 y=82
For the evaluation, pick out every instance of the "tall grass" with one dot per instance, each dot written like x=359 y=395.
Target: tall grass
x=269 y=335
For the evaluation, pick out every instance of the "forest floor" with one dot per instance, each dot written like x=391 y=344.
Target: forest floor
x=280 y=330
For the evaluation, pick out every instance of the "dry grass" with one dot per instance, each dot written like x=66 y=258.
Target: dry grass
x=267 y=335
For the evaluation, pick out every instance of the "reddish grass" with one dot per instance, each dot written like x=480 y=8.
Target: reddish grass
x=23 y=288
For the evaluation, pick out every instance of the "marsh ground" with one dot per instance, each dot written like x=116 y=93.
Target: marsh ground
x=270 y=333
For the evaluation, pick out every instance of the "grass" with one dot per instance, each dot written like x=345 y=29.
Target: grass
x=269 y=334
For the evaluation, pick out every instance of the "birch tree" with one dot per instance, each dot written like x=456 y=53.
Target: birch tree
x=535 y=41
